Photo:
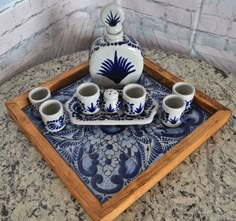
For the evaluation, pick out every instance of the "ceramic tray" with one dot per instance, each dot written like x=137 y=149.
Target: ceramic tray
x=107 y=168
x=103 y=118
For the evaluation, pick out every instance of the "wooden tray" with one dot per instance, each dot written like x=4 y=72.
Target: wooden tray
x=149 y=177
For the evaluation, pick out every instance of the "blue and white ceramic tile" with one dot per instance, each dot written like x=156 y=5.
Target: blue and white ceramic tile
x=107 y=170
x=107 y=158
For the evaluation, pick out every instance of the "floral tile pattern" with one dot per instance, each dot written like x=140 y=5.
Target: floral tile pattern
x=107 y=158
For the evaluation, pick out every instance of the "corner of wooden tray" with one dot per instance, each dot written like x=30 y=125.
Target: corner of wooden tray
x=10 y=105
x=227 y=113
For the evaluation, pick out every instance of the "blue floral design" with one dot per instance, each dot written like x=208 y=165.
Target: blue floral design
x=107 y=158
x=127 y=40
x=129 y=108
x=139 y=109
x=113 y=108
x=110 y=109
x=80 y=107
x=109 y=164
x=116 y=70
x=92 y=108
x=56 y=124
x=165 y=116
x=174 y=120
x=112 y=20
x=118 y=104
x=110 y=150
x=188 y=105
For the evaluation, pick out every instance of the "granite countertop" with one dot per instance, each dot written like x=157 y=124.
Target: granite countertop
x=202 y=187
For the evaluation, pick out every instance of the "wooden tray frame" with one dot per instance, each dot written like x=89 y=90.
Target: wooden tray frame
x=129 y=194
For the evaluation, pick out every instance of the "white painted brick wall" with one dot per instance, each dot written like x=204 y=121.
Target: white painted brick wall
x=33 y=31
x=180 y=16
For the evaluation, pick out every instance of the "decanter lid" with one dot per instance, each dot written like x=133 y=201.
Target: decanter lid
x=112 y=16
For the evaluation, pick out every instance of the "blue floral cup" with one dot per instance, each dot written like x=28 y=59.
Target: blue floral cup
x=187 y=91
x=88 y=95
x=52 y=114
x=173 y=107
x=134 y=98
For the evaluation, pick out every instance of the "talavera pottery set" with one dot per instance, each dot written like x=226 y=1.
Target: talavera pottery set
x=107 y=168
x=113 y=98
x=114 y=112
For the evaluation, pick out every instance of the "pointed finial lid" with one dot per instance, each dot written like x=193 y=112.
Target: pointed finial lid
x=112 y=16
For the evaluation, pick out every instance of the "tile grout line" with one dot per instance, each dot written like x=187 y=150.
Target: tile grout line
x=195 y=26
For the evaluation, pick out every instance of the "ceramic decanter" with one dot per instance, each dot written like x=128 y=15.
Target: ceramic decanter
x=115 y=59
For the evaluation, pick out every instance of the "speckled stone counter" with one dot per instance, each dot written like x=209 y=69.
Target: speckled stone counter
x=203 y=187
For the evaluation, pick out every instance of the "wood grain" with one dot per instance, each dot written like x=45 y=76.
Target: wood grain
x=128 y=195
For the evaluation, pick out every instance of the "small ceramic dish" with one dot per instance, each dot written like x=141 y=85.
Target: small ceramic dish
x=103 y=118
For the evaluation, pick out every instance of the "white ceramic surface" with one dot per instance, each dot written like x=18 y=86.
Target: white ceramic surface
x=112 y=17
x=111 y=103
x=38 y=95
x=134 y=98
x=88 y=95
x=187 y=91
x=52 y=115
x=119 y=118
x=173 y=107
x=115 y=59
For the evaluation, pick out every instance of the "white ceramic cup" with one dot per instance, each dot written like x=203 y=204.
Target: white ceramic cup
x=173 y=107
x=187 y=91
x=88 y=95
x=52 y=114
x=134 y=98
x=37 y=96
